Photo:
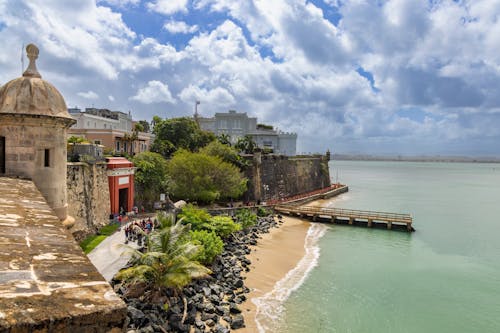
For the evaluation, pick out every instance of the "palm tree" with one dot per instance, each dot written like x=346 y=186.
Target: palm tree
x=225 y=139
x=168 y=262
x=246 y=144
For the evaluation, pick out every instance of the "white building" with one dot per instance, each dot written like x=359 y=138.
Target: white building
x=112 y=129
x=237 y=125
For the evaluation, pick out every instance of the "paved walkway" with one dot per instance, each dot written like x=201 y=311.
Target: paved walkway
x=111 y=255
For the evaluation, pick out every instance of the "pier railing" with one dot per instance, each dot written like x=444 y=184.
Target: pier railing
x=352 y=216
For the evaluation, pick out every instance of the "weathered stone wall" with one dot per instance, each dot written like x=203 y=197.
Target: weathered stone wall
x=47 y=284
x=275 y=177
x=88 y=197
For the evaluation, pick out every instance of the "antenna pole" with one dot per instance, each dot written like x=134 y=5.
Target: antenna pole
x=22 y=59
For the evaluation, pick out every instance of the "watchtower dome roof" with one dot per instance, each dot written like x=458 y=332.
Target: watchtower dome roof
x=30 y=95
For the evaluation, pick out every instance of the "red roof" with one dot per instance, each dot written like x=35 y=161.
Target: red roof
x=118 y=162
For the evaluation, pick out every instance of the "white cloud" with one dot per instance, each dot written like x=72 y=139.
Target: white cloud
x=282 y=61
x=154 y=92
x=88 y=95
x=176 y=27
x=210 y=99
x=168 y=7
x=120 y=3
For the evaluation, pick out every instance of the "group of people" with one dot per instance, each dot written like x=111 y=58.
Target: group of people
x=137 y=230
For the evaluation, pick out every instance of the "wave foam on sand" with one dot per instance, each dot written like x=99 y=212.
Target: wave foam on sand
x=270 y=305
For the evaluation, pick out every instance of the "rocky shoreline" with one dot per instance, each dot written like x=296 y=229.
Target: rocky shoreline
x=212 y=303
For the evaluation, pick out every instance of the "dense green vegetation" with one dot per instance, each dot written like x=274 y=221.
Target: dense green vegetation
x=246 y=218
x=200 y=219
x=151 y=177
x=169 y=261
x=204 y=178
x=246 y=145
x=212 y=245
x=225 y=152
x=178 y=133
x=175 y=253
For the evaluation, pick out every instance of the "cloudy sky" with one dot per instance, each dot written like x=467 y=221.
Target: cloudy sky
x=355 y=76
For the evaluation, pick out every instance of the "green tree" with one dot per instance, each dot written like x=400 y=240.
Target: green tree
x=178 y=133
x=151 y=177
x=168 y=262
x=145 y=126
x=227 y=153
x=200 y=177
x=77 y=139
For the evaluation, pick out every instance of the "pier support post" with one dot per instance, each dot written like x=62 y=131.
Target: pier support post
x=314 y=218
x=333 y=219
x=351 y=220
x=370 y=223
x=389 y=225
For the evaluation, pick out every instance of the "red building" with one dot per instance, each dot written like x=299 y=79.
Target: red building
x=121 y=184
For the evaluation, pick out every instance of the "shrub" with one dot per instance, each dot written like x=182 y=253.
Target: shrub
x=246 y=218
x=197 y=217
x=223 y=225
x=211 y=243
x=261 y=211
x=200 y=219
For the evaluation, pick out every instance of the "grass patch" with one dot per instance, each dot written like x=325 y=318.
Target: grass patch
x=109 y=229
x=89 y=243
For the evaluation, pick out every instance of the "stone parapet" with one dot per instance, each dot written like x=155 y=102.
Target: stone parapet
x=47 y=284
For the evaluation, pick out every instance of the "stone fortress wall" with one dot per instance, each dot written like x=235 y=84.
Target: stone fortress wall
x=273 y=177
x=88 y=197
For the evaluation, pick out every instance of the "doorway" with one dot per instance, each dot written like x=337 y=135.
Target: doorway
x=123 y=199
x=2 y=154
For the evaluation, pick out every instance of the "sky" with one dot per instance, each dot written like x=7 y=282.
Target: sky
x=384 y=77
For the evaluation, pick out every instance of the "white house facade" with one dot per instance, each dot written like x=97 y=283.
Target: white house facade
x=237 y=125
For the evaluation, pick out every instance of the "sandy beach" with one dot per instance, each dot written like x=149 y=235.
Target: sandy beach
x=275 y=255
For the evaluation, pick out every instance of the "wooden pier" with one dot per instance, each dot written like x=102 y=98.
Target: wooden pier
x=351 y=217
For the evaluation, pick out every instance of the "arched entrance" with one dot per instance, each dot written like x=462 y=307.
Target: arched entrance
x=2 y=154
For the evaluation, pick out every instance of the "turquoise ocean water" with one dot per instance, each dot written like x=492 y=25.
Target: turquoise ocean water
x=445 y=277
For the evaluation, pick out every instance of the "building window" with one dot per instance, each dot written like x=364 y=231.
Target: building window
x=97 y=142
x=117 y=145
x=105 y=125
x=46 y=158
x=268 y=143
x=124 y=146
x=223 y=124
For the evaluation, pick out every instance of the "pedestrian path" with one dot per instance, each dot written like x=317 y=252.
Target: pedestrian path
x=111 y=255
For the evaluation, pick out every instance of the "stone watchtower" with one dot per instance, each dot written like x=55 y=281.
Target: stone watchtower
x=33 y=123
